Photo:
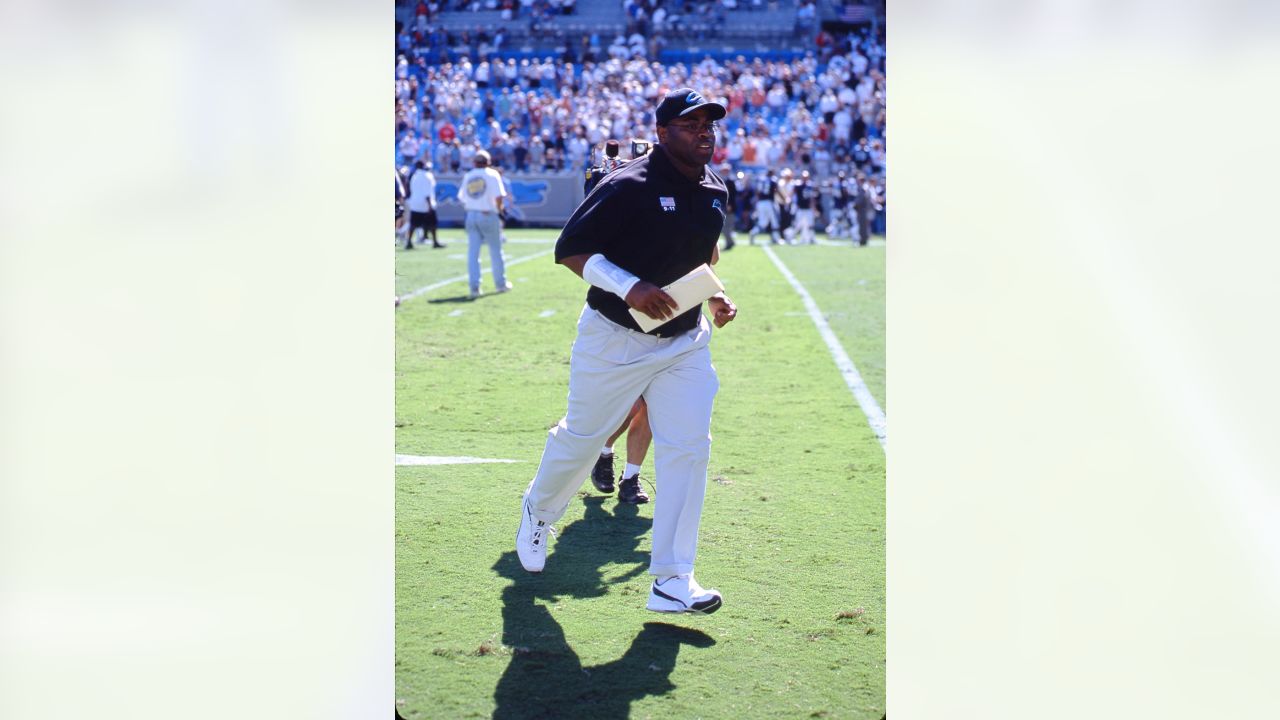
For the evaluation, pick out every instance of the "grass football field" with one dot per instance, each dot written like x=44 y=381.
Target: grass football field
x=792 y=533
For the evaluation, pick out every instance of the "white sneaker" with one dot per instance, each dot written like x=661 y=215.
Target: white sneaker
x=531 y=539
x=473 y=294
x=681 y=593
x=505 y=287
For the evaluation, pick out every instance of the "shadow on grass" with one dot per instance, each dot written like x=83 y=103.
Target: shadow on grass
x=545 y=678
x=455 y=299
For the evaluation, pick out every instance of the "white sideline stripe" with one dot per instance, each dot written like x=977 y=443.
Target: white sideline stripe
x=463 y=278
x=870 y=408
x=546 y=313
x=456 y=313
x=444 y=460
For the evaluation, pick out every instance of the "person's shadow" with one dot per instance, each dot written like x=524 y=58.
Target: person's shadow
x=545 y=678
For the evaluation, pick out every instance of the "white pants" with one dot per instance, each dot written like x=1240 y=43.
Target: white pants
x=839 y=226
x=484 y=228
x=766 y=217
x=855 y=229
x=609 y=368
x=804 y=225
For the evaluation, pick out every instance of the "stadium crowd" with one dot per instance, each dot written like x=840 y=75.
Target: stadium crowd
x=822 y=114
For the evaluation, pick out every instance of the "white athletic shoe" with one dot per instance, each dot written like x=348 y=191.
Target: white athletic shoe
x=505 y=287
x=531 y=539
x=681 y=593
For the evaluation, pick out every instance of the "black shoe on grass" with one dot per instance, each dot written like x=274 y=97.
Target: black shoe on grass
x=630 y=492
x=602 y=474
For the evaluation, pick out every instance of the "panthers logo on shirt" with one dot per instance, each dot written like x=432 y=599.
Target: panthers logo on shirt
x=475 y=188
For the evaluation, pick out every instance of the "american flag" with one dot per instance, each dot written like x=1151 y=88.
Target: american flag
x=855 y=13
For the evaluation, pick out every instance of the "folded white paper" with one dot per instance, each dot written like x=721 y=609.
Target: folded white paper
x=700 y=284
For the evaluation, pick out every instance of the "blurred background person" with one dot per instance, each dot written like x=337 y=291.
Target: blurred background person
x=422 y=205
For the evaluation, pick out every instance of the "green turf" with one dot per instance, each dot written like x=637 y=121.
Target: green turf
x=848 y=285
x=423 y=266
x=792 y=533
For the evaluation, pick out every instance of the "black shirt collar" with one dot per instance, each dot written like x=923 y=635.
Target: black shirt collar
x=660 y=161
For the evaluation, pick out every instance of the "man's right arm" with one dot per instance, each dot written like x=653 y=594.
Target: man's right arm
x=583 y=238
x=640 y=295
x=575 y=263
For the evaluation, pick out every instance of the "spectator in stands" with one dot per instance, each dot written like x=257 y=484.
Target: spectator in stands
x=519 y=151
x=618 y=49
x=410 y=146
x=806 y=17
x=822 y=161
x=482 y=75
x=455 y=155
x=638 y=45
x=555 y=160
x=577 y=149
x=537 y=153
x=659 y=19
x=781 y=113
x=733 y=148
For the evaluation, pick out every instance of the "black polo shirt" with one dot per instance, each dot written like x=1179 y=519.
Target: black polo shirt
x=651 y=221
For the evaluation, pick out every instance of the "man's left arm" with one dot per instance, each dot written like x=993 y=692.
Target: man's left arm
x=502 y=195
x=722 y=308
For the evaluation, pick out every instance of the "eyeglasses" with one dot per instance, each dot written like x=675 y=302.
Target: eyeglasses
x=695 y=127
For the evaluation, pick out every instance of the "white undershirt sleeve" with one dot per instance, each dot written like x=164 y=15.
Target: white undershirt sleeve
x=605 y=275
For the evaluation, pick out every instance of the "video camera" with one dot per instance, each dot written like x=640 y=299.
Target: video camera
x=640 y=148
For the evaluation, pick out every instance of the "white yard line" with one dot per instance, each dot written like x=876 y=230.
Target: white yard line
x=546 y=313
x=444 y=460
x=456 y=313
x=870 y=408
x=463 y=278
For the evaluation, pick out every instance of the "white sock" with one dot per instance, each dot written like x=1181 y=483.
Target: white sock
x=630 y=472
x=608 y=450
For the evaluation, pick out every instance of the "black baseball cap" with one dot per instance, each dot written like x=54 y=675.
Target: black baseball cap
x=683 y=101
